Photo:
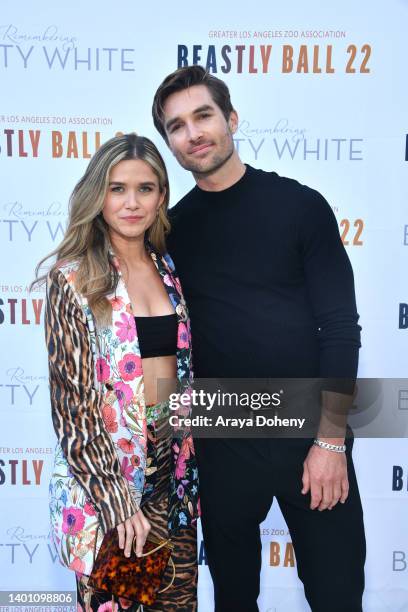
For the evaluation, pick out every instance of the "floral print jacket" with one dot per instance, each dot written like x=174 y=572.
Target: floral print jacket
x=99 y=416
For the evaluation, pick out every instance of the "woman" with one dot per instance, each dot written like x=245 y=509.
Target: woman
x=116 y=324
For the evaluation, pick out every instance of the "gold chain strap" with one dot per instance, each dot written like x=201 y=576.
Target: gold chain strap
x=172 y=579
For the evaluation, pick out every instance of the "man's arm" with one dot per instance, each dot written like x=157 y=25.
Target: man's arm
x=330 y=285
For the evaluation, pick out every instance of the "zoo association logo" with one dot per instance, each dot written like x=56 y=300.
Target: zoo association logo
x=317 y=59
x=400 y=477
x=279 y=547
x=280 y=550
x=403 y=316
x=20 y=310
x=21 y=466
x=29 y=143
x=400 y=486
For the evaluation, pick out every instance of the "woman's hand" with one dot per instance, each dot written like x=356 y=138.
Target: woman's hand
x=137 y=525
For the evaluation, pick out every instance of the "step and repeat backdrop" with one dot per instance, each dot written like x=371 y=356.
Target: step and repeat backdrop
x=321 y=93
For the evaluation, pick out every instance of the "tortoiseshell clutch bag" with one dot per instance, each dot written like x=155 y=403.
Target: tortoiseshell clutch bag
x=135 y=578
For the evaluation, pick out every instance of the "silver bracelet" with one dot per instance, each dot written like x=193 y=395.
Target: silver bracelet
x=337 y=448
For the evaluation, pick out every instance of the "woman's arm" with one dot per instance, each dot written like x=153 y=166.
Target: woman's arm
x=76 y=417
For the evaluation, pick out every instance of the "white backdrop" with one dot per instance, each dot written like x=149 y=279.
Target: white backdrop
x=72 y=75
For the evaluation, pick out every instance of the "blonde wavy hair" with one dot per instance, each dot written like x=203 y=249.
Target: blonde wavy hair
x=86 y=239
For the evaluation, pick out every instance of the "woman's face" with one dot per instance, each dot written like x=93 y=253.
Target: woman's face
x=132 y=200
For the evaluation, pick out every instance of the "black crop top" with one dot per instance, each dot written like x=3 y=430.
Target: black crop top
x=157 y=335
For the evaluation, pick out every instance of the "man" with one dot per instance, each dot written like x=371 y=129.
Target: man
x=271 y=294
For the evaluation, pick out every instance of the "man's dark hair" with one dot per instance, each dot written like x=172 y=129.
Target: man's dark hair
x=182 y=79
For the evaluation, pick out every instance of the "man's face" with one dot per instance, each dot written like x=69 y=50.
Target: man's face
x=198 y=134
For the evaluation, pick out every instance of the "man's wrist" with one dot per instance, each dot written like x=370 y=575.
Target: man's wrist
x=333 y=447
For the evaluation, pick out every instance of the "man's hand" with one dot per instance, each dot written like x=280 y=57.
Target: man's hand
x=137 y=525
x=325 y=476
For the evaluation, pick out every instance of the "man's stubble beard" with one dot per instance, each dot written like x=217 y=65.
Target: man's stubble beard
x=216 y=162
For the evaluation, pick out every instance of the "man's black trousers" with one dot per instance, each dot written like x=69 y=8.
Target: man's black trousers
x=238 y=480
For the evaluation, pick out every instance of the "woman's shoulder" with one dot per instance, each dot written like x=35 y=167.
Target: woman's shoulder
x=62 y=276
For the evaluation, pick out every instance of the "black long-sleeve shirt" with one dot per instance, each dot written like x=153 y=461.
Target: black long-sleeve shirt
x=267 y=281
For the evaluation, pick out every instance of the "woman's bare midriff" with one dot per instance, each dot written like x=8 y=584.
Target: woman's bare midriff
x=159 y=378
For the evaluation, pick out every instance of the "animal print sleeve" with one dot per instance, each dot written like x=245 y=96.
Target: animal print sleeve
x=76 y=417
